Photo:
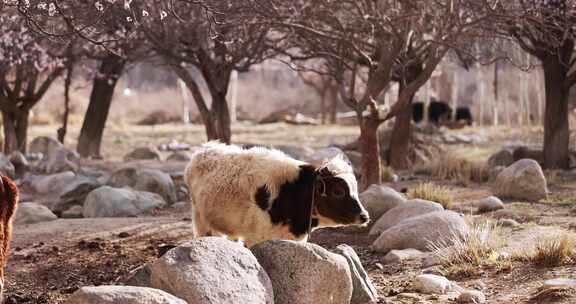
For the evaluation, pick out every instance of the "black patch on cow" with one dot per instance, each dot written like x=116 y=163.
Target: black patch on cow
x=262 y=198
x=292 y=206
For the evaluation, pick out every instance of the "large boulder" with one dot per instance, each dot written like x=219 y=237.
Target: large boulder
x=523 y=180
x=149 y=180
x=305 y=273
x=364 y=291
x=378 y=199
x=143 y=153
x=54 y=183
x=44 y=145
x=60 y=160
x=30 y=213
x=418 y=232
x=122 y=295
x=6 y=167
x=503 y=157
x=411 y=208
x=212 y=270
x=74 y=193
x=115 y=202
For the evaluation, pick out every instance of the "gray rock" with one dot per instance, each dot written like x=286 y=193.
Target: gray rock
x=489 y=204
x=6 y=167
x=471 y=297
x=54 y=183
x=508 y=223
x=403 y=212
x=212 y=270
x=74 y=212
x=297 y=152
x=431 y=284
x=522 y=180
x=122 y=295
x=364 y=291
x=503 y=157
x=140 y=276
x=398 y=256
x=75 y=193
x=60 y=160
x=113 y=202
x=148 y=180
x=378 y=199
x=305 y=273
x=45 y=145
x=31 y=213
x=20 y=163
x=143 y=153
x=417 y=232
x=179 y=156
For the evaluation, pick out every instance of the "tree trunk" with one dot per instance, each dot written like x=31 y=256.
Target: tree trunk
x=220 y=118
x=556 y=126
x=333 y=99
x=400 y=148
x=323 y=110
x=370 y=149
x=90 y=138
x=67 y=82
x=15 y=130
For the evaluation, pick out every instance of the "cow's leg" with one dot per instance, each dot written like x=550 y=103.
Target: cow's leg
x=202 y=226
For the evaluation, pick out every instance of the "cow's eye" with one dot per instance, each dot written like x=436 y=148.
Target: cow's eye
x=338 y=193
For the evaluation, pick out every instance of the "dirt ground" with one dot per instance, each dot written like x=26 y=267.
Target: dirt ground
x=51 y=260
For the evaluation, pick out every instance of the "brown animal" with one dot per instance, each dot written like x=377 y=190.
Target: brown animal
x=8 y=201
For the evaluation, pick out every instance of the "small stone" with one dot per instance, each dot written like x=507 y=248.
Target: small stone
x=508 y=223
x=431 y=284
x=478 y=285
x=398 y=256
x=489 y=204
x=471 y=297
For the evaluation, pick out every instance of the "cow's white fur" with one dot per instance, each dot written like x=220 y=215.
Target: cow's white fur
x=222 y=180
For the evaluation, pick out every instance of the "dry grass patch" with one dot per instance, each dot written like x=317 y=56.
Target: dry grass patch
x=553 y=294
x=387 y=174
x=434 y=193
x=447 y=166
x=551 y=251
x=465 y=256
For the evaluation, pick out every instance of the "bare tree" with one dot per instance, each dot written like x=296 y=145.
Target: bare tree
x=372 y=40
x=213 y=40
x=546 y=30
x=327 y=90
x=28 y=67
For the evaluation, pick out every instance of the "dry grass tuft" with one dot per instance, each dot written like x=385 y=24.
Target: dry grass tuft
x=464 y=257
x=553 y=294
x=387 y=174
x=450 y=167
x=551 y=251
x=434 y=193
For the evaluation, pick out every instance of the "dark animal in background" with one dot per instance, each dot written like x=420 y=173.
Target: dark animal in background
x=463 y=114
x=438 y=112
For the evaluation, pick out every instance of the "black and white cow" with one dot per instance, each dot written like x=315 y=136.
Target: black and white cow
x=261 y=194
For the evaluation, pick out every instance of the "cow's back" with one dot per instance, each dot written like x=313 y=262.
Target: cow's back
x=224 y=172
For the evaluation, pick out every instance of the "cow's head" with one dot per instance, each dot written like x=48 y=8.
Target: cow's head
x=336 y=195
